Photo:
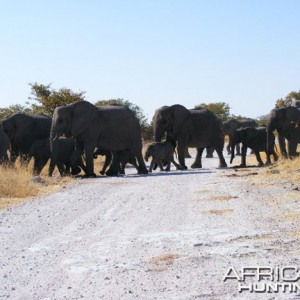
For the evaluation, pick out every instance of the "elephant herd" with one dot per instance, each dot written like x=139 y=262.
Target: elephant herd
x=78 y=132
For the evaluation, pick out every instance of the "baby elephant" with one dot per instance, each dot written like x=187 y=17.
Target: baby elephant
x=63 y=155
x=162 y=153
x=254 y=138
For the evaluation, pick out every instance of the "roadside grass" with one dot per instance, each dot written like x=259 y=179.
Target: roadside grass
x=18 y=185
x=287 y=169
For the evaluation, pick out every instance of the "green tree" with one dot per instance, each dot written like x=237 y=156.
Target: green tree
x=220 y=109
x=137 y=110
x=48 y=98
x=7 y=111
x=289 y=100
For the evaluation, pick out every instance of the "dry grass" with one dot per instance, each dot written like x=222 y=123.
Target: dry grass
x=285 y=169
x=17 y=184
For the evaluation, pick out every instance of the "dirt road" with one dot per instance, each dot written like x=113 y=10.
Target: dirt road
x=162 y=236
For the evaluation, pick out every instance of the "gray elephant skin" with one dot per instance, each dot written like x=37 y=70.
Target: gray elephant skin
x=124 y=157
x=198 y=128
x=162 y=153
x=284 y=120
x=254 y=138
x=4 y=147
x=109 y=127
x=229 y=128
x=22 y=130
x=63 y=155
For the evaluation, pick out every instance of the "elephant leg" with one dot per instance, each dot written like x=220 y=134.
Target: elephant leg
x=238 y=149
x=41 y=165
x=36 y=169
x=51 y=167
x=180 y=150
x=61 y=168
x=114 y=166
x=68 y=168
x=292 y=148
x=76 y=163
x=260 y=162
x=122 y=168
x=151 y=165
x=197 y=163
x=243 y=158
x=209 y=152
x=168 y=163
x=268 y=162
x=186 y=153
x=89 y=157
x=275 y=156
x=282 y=146
x=135 y=164
x=140 y=161
x=175 y=163
x=160 y=164
x=222 y=162
x=107 y=162
x=229 y=145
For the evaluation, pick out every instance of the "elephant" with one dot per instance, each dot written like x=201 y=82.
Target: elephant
x=63 y=155
x=229 y=128
x=162 y=153
x=124 y=156
x=284 y=120
x=254 y=138
x=22 y=130
x=187 y=153
x=209 y=152
x=107 y=127
x=190 y=128
x=4 y=148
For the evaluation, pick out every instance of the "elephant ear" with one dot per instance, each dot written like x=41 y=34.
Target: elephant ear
x=83 y=115
x=251 y=133
x=180 y=116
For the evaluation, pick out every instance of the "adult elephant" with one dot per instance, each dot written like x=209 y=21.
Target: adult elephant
x=192 y=128
x=284 y=120
x=109 y=127
x=4 y=147
x=229 y=128
x=22 y=130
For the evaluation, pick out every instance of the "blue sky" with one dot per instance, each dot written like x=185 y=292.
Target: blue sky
x=153 y=52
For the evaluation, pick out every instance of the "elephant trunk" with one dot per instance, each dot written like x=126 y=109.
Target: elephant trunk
x=53 y=136
x=158 y=134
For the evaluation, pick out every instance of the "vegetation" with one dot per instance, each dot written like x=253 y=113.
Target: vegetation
x=48 y=99
x=220 y=109
x=293 y=98
x=7 y=111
